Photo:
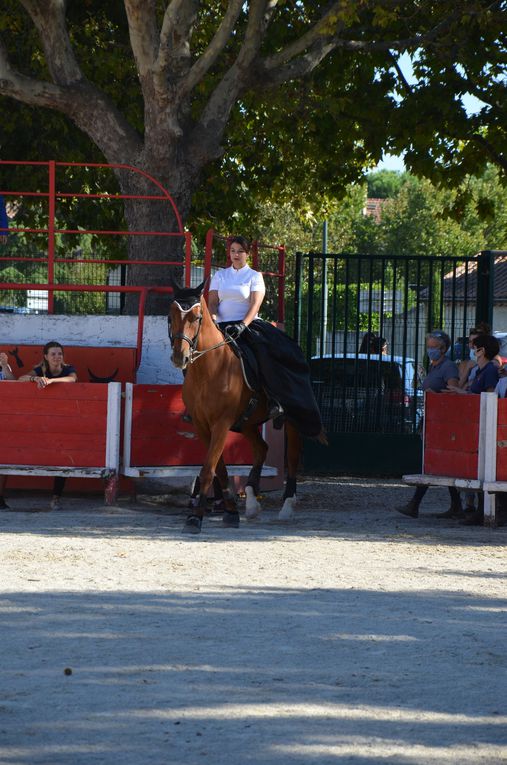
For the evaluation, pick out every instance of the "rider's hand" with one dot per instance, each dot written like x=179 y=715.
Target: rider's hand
x=234 y=330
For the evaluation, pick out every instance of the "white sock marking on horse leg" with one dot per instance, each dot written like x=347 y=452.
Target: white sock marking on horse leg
x=252 y=506
x=287 y=511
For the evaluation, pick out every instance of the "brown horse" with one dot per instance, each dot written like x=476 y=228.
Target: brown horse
x=218 y=398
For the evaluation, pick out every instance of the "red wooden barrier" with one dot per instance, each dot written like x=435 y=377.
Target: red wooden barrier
x=451 y=438
x=64 y=429
x=161 y=437
x=157 y=442
x=501 y=441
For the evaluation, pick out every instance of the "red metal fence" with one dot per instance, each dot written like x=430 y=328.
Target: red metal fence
x=53 y=194
x=259 y=251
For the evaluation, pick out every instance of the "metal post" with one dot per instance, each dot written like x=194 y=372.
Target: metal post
x=188 y=258
x=485 y=287
x=297 y=297
x=281 y=284
x=51 y=234
x=324 y=287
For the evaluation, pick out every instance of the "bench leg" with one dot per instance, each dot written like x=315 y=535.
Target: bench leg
x=111 y=490
x=489 y=509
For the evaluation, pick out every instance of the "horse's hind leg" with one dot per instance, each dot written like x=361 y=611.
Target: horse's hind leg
x=294 y=443
x=259 y=451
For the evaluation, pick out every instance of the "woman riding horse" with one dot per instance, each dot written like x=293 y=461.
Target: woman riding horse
x=235 y=297
x=215 y=392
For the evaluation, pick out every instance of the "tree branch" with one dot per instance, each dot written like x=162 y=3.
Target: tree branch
x=497 y=158
x=215 y=47
x=143 y=34
x=48 y=17
x=399 y=72
x=174 y=43
x=326 y=26
x=81 y=102
x=272 y=73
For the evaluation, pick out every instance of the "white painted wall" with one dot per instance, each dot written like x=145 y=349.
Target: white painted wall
x=117 y=331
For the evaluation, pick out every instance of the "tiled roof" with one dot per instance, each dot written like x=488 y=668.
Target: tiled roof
x=464 y=280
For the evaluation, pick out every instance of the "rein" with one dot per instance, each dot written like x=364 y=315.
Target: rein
x=192 y=341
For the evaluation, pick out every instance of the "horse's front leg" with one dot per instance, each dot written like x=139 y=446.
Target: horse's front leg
x=294 y=443
x=193 y=523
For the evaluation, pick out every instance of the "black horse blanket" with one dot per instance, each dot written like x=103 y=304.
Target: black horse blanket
x=282 y=372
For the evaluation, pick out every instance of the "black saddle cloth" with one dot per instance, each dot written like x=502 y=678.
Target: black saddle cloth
x=274 y=362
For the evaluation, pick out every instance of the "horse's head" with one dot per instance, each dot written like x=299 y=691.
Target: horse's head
x=185 y=317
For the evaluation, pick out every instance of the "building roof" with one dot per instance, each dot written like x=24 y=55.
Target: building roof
x=463 y=281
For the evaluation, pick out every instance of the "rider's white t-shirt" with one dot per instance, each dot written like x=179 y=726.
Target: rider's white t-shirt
x=234 y=287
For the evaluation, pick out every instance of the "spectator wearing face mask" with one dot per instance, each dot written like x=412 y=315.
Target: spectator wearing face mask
x=442 y=374
x=468 y=367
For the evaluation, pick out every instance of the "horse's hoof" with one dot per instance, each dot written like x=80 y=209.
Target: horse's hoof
x=192 y=525
x=231 y=520
x=252 y=506
x=287 y=511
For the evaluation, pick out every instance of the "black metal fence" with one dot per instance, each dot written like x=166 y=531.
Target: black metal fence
x=362 y=321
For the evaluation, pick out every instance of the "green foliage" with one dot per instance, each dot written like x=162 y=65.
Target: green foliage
x=301 y=143
x=384 y=184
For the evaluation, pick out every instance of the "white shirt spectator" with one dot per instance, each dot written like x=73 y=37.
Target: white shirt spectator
x=234 y=287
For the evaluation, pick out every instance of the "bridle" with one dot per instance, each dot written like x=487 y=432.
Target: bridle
x=192 y=341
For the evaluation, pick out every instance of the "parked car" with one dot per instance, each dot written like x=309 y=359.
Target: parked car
x=368 y=393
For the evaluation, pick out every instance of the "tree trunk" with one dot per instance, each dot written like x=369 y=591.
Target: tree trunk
x=155 y=216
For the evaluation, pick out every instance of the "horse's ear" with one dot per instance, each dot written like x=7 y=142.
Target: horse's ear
x=200 y=289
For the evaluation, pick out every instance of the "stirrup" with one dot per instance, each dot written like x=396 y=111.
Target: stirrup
x=275 y=409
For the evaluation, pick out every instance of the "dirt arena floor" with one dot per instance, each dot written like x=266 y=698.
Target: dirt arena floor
x=351 y=635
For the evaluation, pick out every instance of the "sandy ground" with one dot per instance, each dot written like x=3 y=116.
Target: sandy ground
x=351 y=635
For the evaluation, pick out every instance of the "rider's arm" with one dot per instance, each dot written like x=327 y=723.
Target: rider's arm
x=213 y=303
x=256 y=299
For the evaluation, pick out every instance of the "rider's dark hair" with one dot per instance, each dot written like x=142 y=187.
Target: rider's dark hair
x=240 y=240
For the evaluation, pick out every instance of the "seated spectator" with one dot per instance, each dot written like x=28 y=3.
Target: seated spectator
x=52 y=369
x=5 y=374
x=486 y=349
x=442 y=373
x=468 y=368
x=367 y=343
x=379 y=345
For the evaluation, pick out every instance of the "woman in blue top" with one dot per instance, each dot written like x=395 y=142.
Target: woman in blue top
x=52 y=369
x=486 y=348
